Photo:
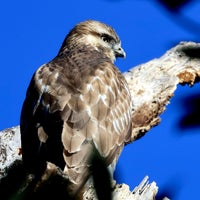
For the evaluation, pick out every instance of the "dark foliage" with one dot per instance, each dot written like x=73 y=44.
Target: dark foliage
x=191 y=118
x=174 y=5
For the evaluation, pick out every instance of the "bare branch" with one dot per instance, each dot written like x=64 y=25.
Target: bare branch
x=153 y=84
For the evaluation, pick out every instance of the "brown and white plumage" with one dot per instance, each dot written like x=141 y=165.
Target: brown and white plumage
x=76 y=102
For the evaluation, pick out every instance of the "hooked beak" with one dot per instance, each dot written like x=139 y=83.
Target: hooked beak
x=119 y=52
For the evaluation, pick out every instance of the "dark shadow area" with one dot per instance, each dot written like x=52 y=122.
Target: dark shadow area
x=169 y=190
x=101 y=177
x=18 y=185
x=191 y=118
x=12 y=182
x=174 y=9
x=174 y=5
x=192 y=52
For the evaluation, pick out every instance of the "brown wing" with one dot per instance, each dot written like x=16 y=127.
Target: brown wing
x=100 y=114
x=41 y=125
x=65 y=114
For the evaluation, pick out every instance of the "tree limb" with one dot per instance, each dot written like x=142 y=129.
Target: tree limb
x=152 y=85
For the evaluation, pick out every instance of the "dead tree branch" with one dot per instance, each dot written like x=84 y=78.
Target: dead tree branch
x=152 y=85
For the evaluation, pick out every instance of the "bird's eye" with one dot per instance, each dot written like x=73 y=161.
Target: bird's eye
x=106 y=38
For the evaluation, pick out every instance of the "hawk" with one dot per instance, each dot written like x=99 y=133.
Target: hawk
x=77 y=101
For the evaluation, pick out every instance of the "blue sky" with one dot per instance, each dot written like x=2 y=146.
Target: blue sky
x=31 y=34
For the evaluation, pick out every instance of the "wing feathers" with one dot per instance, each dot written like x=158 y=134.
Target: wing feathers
x=98 y=113
x=102 y=119
x=76 y=104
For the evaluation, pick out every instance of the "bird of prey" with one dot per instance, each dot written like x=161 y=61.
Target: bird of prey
x=77 y=102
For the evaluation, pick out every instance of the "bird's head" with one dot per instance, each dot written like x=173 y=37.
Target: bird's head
x=95 y=35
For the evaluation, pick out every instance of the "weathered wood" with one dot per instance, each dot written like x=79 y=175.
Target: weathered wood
x=144 y=191
x=152 y=85
x=10 y=145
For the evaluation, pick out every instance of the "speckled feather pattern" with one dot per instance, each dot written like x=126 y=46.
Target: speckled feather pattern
x=75 y=102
